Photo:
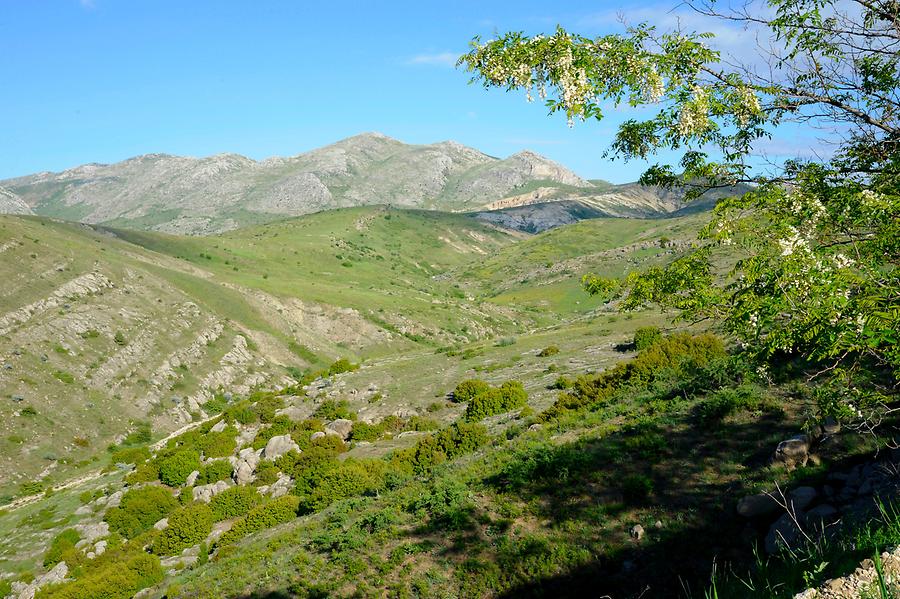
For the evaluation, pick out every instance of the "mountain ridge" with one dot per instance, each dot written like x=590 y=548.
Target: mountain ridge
x=225 y=191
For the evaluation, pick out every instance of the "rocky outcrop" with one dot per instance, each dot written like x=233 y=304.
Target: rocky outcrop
x=340 y=427
x=278 y=446
x=863 y=582
x=205 y=493
x=245 y=465
x=27 y=591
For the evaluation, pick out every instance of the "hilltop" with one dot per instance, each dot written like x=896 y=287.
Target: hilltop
x=184 y=195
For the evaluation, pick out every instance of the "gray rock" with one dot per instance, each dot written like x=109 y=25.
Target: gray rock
x=191 y=478
x=92 y=532
x=753 y=506
x=784 y=532
x=821 y=515
x=792 y=452
x=245 y=465
x=100 y=547
x=115 y=499
x=205 y=493
x=637 y=532
x=55 y=575
x=801 y=497
x=281 y=487
x=830 y=426
x=316 y=435
x=341 y=426
x=162 y=524
x=218 y=427
x=278 y=446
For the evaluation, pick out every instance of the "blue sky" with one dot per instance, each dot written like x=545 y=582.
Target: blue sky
x=104 y=80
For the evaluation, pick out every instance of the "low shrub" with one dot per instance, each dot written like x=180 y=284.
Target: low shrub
x=344 y=479
x=469 y=389
x=219 y=445
x=61 y=546
x=724 y=402
x=115 y=576
x=644 y=337
x=550 y=350
x=275 y=512
x=636 y=488
x=266 y=473
x=341 y=366
x=187 y=526
x=509 y=396
x=214 y=471
x=331 y=409
x=234 y=502
x=139 y=510
x=175 y=468
x=130 y=455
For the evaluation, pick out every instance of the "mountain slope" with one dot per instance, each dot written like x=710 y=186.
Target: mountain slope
x=207 y=195
x=10 y=203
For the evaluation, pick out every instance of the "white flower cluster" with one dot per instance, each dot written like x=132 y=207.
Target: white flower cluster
x=694 y=115
x=793 y=243
x=843 y=261
x=747 y=106
x=653 y=88
x=573 y=83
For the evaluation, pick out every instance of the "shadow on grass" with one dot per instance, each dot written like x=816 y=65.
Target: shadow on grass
x=590 y=493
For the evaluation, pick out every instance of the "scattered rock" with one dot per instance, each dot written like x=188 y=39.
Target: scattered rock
x=115 y=499
x=245 y=465
x=792 y=452
x=281 y=487
x=205 y=493
x=92 y=532
x=192 y=478
x=784 y=532
x=162 y=524
x=753 y=506
x=218 y=427
x=278 y=446
x=341 y=427
x=801 y=497
x=637 y=532
x=27 y=591
x=100 y=547
x=316 y=435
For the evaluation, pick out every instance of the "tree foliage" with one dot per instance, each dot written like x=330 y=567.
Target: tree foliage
x=812 y=249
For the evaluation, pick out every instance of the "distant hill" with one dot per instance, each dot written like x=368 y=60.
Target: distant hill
x=207 y=195
x=201 y=196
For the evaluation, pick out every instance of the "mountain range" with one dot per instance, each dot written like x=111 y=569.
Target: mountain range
x=185 y=195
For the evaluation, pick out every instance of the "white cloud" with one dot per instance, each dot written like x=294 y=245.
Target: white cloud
x=441 y=59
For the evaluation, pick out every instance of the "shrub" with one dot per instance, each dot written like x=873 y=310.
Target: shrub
x=188 y=526
x=345 y=479
x=725 y=402
x=61 y=546
x=509 y=396
x=550 y=350
x=266 y=473
x=144 y=473
x=115 y=576
x=469 y=389
x=234 y=502
x=131 y=455
x=119 y=338
x=331 y=409
x=341 y=366
x=174 y=469
x=214 y=471
x=453 y=441
x=139 y=510
x=219 y=445
x=644 y=337
x=267 y=515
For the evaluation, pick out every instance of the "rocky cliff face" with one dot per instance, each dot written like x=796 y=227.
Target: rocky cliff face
x=10 y=203
x=217 y=193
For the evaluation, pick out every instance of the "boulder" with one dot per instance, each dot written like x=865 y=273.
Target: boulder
x=205 y=493
x=218 y=529
x=784 y=532
x=316 y=435
x=115 y=499
x=637 y=532
x=753 y=506
x=218 y=427
x=100 y=548
x=792 y=452
x=192 y=478
x=162 y=524
x=55 y=575
x=92 y=532
x=801 y=497
x=821 y=516
x=245 y=465
x=278 y=446
x=341 y=426
x=281 y=487
x=295 y=413
x=830 y=426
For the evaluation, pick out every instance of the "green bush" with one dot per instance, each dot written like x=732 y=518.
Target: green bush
x=349 y=478
x=469 y=389
x=644 y=337
x=219 y=445
x=187 y=526
x=331 y=409
x=214 y=471
x=275 y=512
x=550 y=350
x=114 y=576
x=174 y=469
x=144 y=473
x=234 y=502
x=61 y=545
x=509 y=396
x=341 y=366
x=139 y=510
x=130 y=455
x=730 y=400
x=266 y=473
x=456 y=440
